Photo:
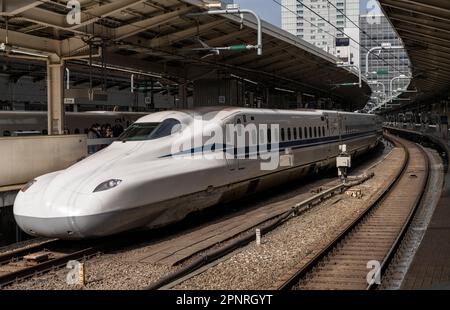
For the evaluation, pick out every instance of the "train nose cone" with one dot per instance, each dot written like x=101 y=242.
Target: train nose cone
x=55 y=214
x=64 y=228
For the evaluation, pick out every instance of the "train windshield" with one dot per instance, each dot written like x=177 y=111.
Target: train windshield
x=150 y=131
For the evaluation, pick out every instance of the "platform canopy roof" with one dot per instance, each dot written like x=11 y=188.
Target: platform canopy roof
x=160 y=36
x=424 y=27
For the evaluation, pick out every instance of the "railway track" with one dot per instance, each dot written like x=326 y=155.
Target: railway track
x=359 y=256
x=24 y=263
x=59 y=259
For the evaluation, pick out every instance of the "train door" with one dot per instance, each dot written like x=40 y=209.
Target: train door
x=340 y=132
x=328 y=133
x=341 y=126
x=233 y=149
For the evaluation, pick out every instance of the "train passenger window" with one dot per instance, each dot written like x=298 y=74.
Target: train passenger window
x=289 y=134
x=282 y=134
x=315 y=132
x=295 y=133
x=306 y=132
x=300 y=133
x=310 y=132
x=323 y=131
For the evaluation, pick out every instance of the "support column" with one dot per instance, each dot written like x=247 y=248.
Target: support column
x=55 y=94
x=182 y=95
x=152 y=101
x=299 y=100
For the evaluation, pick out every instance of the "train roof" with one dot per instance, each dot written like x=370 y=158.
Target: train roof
x=89 y=113
x=220 y=113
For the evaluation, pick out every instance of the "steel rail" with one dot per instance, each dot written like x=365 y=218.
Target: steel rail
x=302 y=272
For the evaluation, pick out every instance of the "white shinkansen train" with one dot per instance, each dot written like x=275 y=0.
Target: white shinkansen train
x=147 y=179
x=19 y=123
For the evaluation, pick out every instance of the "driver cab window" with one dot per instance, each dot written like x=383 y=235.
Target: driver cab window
x=151 y=131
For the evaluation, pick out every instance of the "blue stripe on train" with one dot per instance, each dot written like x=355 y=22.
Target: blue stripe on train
x=283 y=145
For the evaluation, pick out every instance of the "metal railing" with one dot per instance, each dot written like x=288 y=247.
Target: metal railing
x=95 y=145
x=436 y=130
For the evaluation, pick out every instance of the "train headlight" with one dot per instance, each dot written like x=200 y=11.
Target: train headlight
x=107 y=185
x=27 y=186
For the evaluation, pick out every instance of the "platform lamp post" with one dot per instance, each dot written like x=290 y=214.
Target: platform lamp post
x=234 y=9
x=384 y=46
x=400 y=77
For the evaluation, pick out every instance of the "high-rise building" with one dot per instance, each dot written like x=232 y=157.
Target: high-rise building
x=386 y=64
x=326 y=24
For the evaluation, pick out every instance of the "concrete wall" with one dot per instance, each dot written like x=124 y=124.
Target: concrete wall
x=24 y=158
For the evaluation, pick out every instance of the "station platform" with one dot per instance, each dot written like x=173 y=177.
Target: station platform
x=430 y=268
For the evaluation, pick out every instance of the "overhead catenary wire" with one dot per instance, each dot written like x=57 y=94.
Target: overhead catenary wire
x=186 y=57
x=361 y=30
x=193 y=58
x=335 y=27
x=298 y=1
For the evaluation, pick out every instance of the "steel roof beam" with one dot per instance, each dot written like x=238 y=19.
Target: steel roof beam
x=11 y=8
x=273 y=58
x=438 y=65
x=99 y=12
x=279 y=65
x=233 y=36
x=431 y=44
x=439 y=26
x=441 y=60
x=423 y=34
x=149 y=23
x=174 y=37
x=31 y=42
x=402 y=7
x=54 y=20
x=426 y=34
x=426 y=5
